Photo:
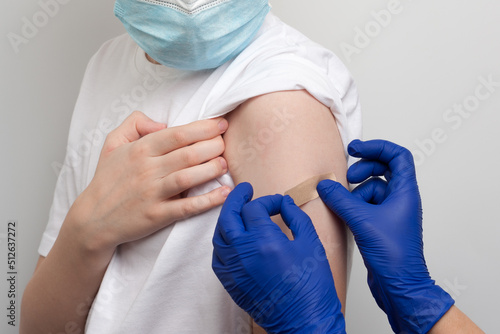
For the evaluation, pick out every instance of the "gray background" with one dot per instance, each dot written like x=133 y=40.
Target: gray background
x=426 y=58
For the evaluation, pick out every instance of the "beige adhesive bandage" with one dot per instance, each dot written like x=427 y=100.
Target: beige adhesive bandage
x=306 y=191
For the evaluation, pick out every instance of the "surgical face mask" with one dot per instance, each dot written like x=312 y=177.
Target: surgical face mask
x=192 y=35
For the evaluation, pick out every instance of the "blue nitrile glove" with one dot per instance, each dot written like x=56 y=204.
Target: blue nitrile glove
x=386 y=220
x=285 y=285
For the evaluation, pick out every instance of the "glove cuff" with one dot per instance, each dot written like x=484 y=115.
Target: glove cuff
x=418 y=309
x=331 y=325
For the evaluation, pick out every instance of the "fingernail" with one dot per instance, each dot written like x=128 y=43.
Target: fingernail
x=223 y=163
x=223 y=125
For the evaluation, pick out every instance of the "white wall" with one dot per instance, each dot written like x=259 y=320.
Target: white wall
x=426 y=59
x=39 y=87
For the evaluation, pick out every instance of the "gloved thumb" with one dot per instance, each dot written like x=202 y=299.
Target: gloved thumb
x=339 y=200
x=297 y=220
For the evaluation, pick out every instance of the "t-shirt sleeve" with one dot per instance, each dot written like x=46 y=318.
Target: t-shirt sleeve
x=282 y=59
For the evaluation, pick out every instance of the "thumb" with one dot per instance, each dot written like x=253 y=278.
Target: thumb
x=230 y=225
x=134 y=127
x=340 y=200
x=297 y=220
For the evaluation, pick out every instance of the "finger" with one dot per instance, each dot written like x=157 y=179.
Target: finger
x=373 y=191
x=168 y=140
x=223 y=251
x=388 y=175
x=216 y=261
x=185 y=179
x=192 y=155
x=230 y=225
x=398 y=158
x=184 y=208
x=134 y=127
x=340 y=200
x=177 y=182
x=364 y=169
x=297 y=220
x=218 y=266
x=258 y=212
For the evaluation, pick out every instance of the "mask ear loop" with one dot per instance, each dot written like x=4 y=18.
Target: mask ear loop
x=306 y=191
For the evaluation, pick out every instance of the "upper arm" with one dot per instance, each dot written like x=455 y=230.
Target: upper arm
x=39 y=262
x=276 y=141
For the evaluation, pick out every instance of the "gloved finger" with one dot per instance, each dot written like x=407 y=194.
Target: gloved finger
x=223 y=253
x=340 y=201
x=230 y=224
x=364 y=169
x=398 y=158
x=373 y=191
x=257 y=213
x=217 y=264
x=388 y=176
x=297 y=220
x=223 y=270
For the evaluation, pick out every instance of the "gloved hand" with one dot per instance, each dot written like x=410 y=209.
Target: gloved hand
x=386 y=220
x=285 y=285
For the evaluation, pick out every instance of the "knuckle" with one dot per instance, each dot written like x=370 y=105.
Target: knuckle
x=112 y=135
x=179 y=138
x=153 y=215
x=182 y=181
x=190 y=157
x=148 y=189
x=271 y=249
x=136 y=114
x=198 y=204
x=137 y=150
x=405 y=153
x=187 y=209
x=249 y=208
x=407 y=156
x=210 y=200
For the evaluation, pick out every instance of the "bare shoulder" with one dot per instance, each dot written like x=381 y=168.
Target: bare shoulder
x=282 y=138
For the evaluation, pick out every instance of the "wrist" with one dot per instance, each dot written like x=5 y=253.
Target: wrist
x=330 y=325
x=334 y=324
x=411 y=305
x=317 y=319
x=83 y=237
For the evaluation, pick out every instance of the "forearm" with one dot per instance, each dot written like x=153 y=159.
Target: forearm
x=142 y=170
x=456 y=322
x=64 y=285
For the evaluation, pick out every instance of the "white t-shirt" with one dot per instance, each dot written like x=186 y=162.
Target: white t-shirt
x=164 y=283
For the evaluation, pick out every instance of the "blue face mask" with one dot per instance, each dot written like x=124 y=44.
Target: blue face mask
x=192 y=35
